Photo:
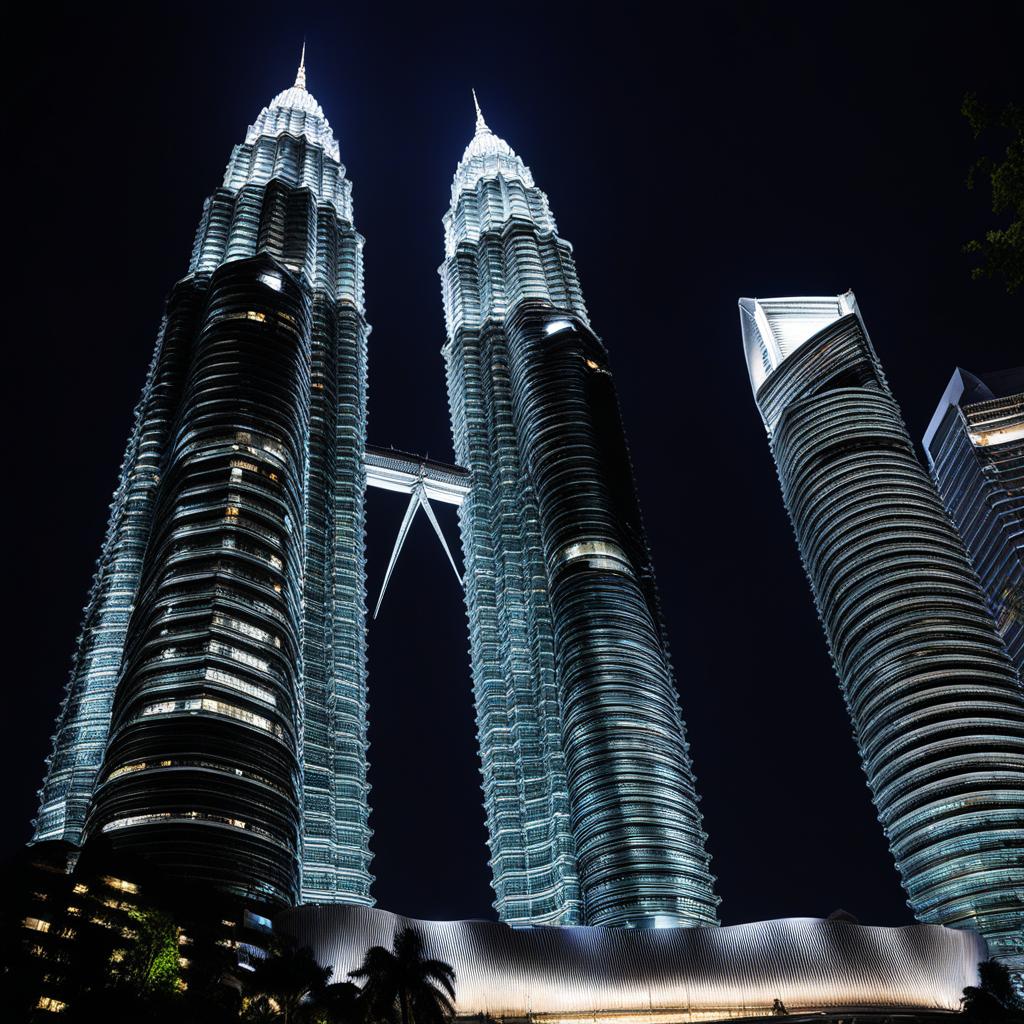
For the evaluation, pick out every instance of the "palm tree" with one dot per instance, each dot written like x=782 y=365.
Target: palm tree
x=342 y=1003
x=403 y=981
x=286 y=986
x=995 y=1000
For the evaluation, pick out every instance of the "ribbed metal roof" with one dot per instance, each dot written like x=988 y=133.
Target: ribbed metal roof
x=672 y=974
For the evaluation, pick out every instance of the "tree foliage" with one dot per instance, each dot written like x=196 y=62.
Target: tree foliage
x=289 y=986
x=995 y=1000
x=151 y=964
x=285 y=985
x=1001 y=251
x=403 y=986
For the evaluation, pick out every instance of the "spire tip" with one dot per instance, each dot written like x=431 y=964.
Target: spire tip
x=300 y=77
x=481 y=124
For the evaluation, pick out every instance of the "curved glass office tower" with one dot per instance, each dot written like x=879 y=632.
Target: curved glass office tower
x=236 y=739
x=588 y=786
x=936 y=707
x=975 y=450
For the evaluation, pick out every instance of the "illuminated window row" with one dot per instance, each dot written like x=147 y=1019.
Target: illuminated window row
x=217 y=675
x=216 y=766
x=135 y=820
x=246 y=629
x=217 y=707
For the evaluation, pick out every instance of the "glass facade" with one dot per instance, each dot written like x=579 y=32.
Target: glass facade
x=975 y=450
x=215 y=718
x=936 y=706
x=588 y=787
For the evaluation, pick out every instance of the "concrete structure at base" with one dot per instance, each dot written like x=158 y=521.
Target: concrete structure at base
x=553 y=974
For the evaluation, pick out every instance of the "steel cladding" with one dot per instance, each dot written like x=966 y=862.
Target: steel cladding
x=664 y=974
x=589 y=792
x=238 y=748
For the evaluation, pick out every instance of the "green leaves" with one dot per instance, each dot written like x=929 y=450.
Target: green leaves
x=1001 y=251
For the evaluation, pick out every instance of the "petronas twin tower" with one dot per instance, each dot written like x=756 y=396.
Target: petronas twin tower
x=216 y=715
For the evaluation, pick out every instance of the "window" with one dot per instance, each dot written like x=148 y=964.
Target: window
x=120 y=884
x=36 y=924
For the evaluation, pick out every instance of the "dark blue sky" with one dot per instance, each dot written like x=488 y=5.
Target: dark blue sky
x=736 y=150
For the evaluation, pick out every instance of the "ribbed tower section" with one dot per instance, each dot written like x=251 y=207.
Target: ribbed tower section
x=588 y=787
x=235 y=746
x=937 y=711
x=975 y=450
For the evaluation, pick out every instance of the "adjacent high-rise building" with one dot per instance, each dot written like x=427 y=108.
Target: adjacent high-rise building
x=975 y=450
x=588 y=786
x=215 y=718
x=937 y=710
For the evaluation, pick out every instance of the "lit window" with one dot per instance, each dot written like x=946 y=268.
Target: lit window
x=51 y=1004
x=80 y=888
x=120 y=884
x=216 y=675
x=272 y=281
x=195 y=704
x=163 y=708
x=36 y=924
x=231 y=510
x=1001 y=435
x=557 y=326
x=246 y=629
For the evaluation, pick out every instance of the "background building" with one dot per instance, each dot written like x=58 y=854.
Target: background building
x=228 y=605
x=588 y=787
x=975 y=449
x=937 y=710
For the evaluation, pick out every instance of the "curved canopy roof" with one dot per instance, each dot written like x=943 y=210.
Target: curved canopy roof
x=671 y=974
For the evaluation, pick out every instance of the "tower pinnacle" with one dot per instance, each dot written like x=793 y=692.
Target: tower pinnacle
x=300 y=77
x=481 y=124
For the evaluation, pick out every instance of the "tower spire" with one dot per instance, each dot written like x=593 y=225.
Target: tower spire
x=300 y=77
x=481 y=124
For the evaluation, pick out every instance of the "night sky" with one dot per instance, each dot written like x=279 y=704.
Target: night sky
x=740 y=151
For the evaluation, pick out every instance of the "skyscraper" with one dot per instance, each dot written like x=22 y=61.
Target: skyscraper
x=937 y=711
x=975 y=449
x=588 y=787
x=215 y=718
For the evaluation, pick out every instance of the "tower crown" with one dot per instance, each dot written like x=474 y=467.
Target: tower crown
x=298 y=96
x=295 y=111
x=487 y=155
x=773 y=329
